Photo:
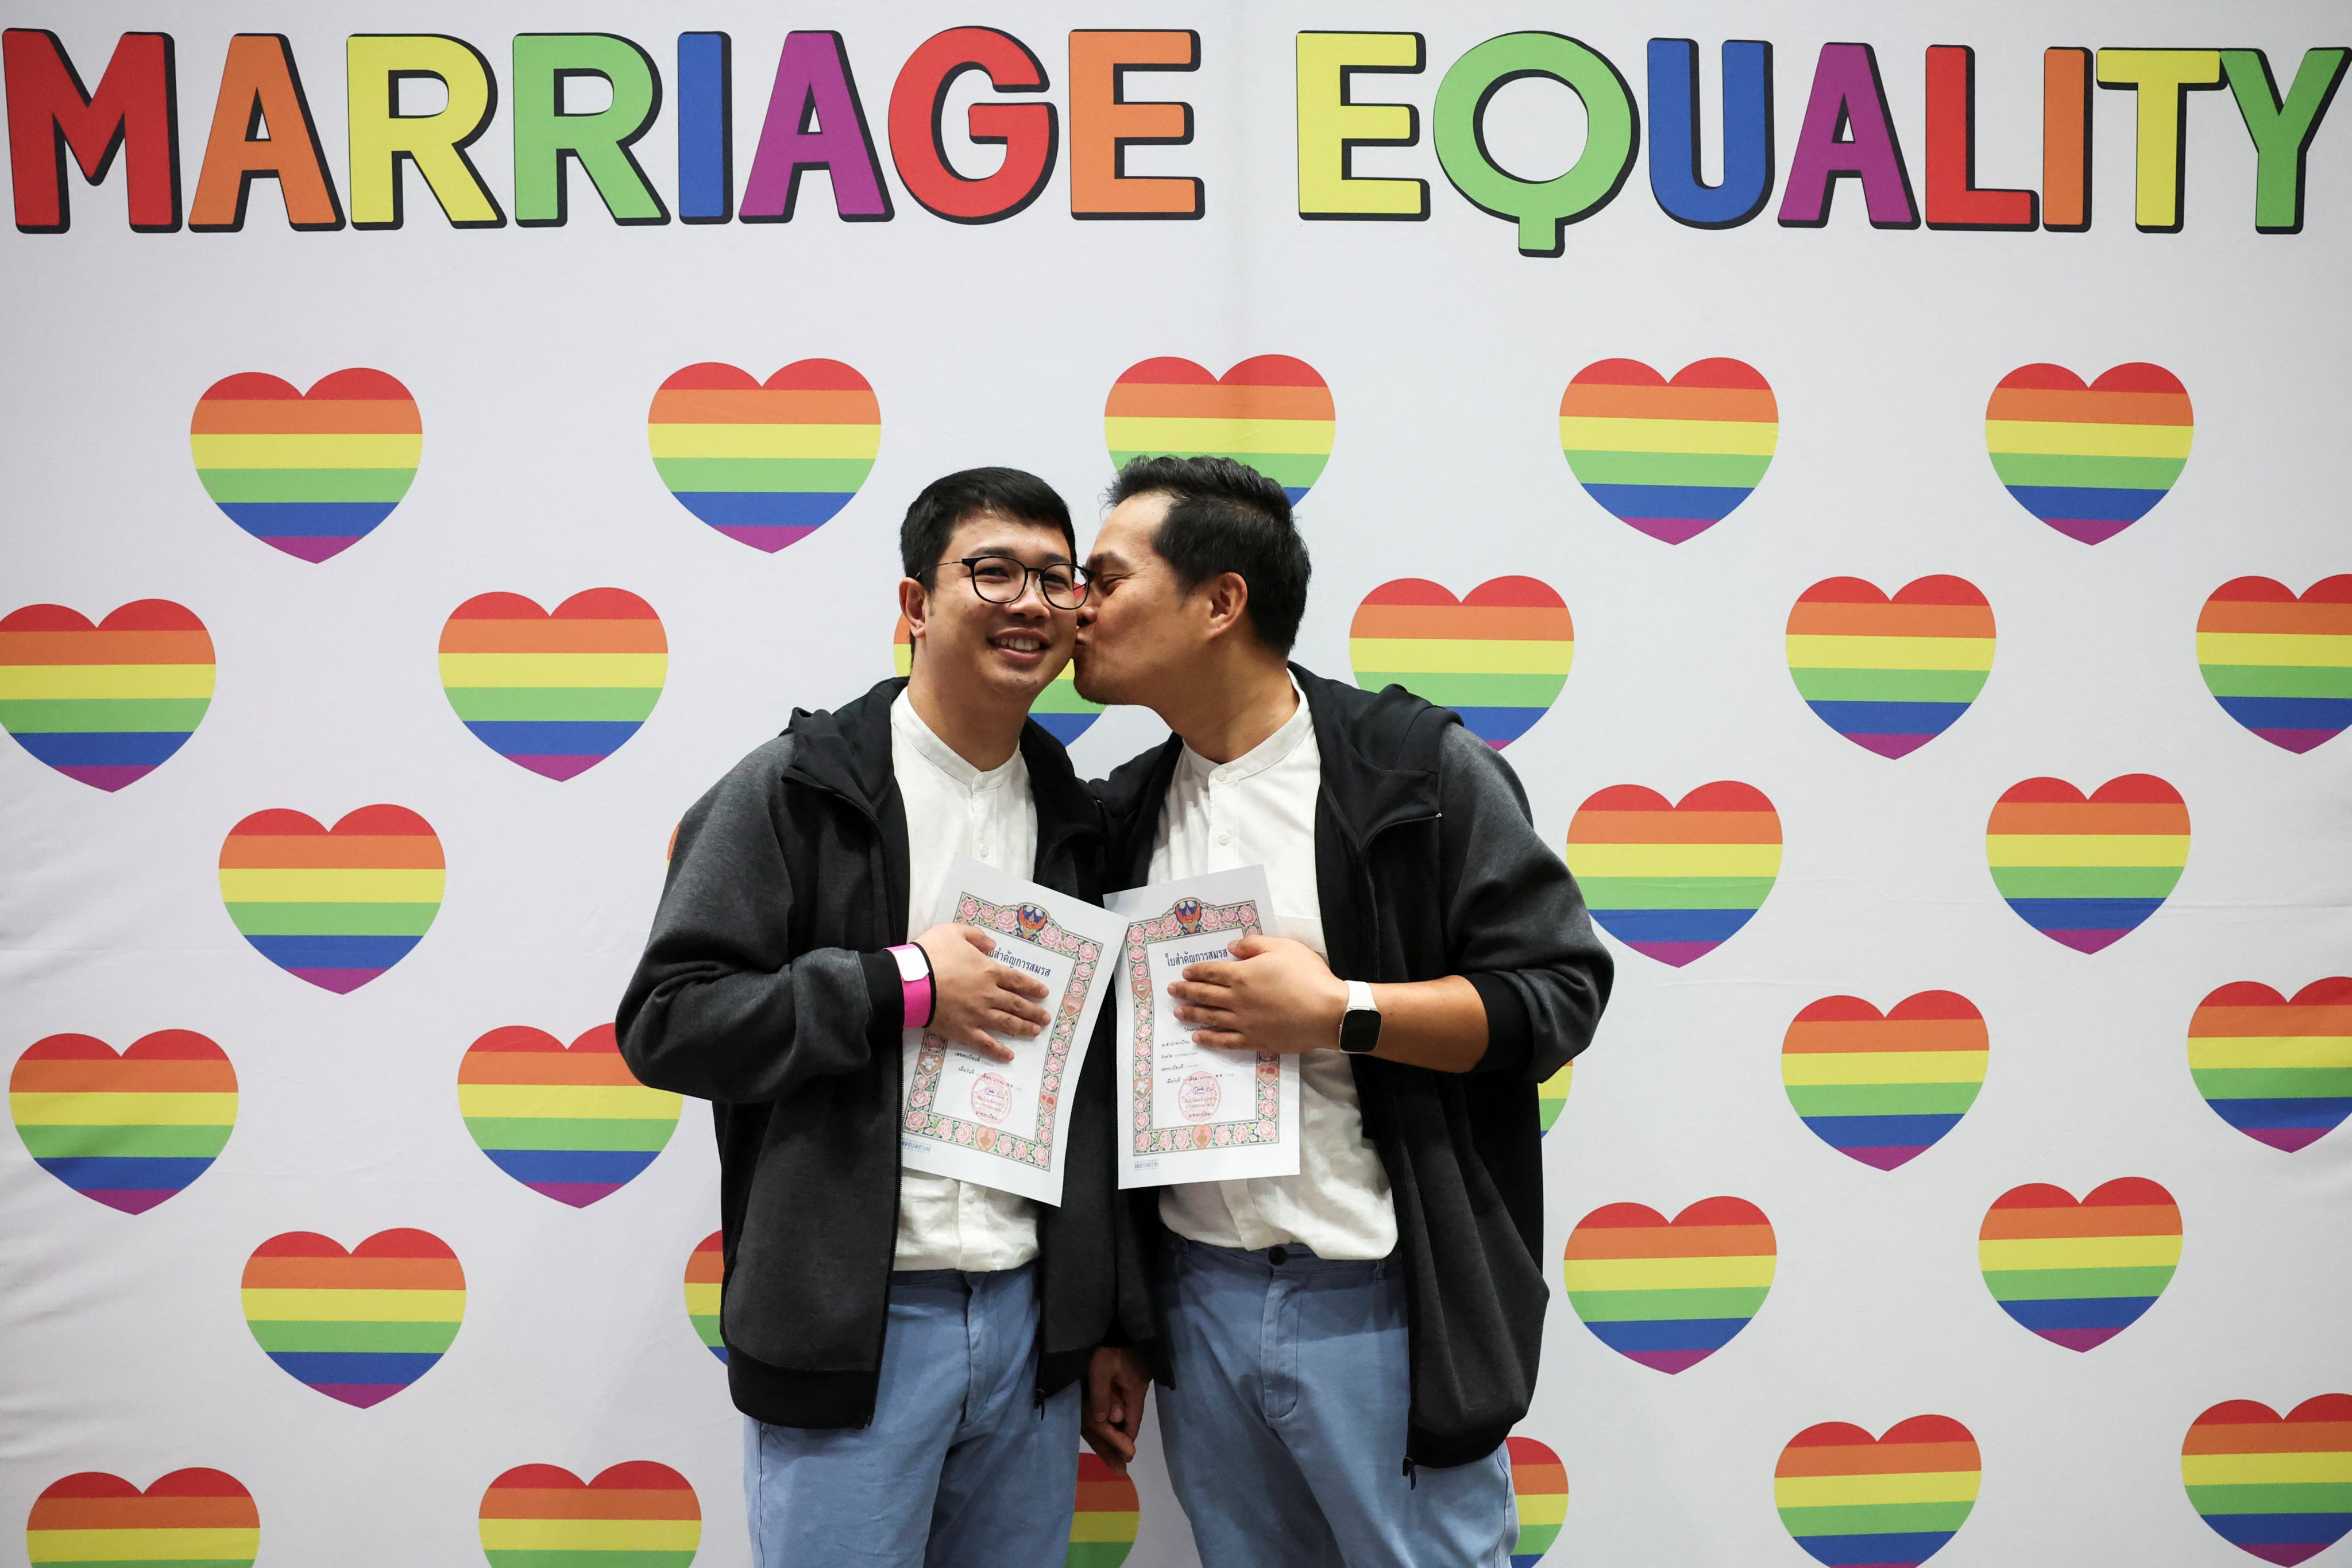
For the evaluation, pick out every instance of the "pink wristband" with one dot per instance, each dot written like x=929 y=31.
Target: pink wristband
x=915 y=979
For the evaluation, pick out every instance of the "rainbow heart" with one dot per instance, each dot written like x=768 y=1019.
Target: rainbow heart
x=1894 y=1502
x=1059 y=710
x=125 y=1131
x=2080 y=1274
x=1497 y=656
x=559 y=691
x=2086 y=873
x=634 y=1515
x=766 y=464
x=1552 y=1097
x=311 y=473
x=1674 y=882
x=1538 y=1499
x=1671 y=458
x=1103 y=1527
x=189 y=1519
x=706 y=1274
x=2090 y=462
x=1890 y=675
x=2278 y=1071
x=1883 y=1088
x=106 y=704
x=336 y=908
x=573 y=1125
x=1670 y=1293
x=2277 y=1488
x=358 y=1326
x=1272 y=412
x=2279 y=665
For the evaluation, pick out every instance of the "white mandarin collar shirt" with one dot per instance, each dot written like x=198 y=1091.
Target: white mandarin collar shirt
x=1259 y=810
x=954 y=808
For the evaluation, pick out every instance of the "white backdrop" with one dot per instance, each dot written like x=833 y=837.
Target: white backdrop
x=532 y=355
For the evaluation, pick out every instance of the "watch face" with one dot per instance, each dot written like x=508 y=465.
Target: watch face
x=1359 y=1031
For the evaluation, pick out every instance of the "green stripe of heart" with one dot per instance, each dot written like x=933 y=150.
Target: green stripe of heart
x=1882 y=1099
x=1292 y=470
x=1675 y=892
x=1817 y=685
x=527 y=704
x=2085 y=881
x=1642 y=1305
x=344 y=1334
x=2273 y=680
x=127 y=1141
x=616 y=1134
x=306 y=484
x=824 y=474
x=84 y=715
x=1729 y=471
x=2075 y=1284
x=327 y=917
x=1876 y=1519
x=1466 y=690
x=2101 y=473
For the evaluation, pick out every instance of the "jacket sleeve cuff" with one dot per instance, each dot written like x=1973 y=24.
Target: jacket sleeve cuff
x=1510 y=1037
x=884 y=992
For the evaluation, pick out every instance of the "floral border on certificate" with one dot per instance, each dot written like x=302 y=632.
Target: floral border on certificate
x=923 y=1121
x=1265 y=1125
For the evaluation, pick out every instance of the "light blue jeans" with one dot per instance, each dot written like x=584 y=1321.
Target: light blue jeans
x=1286 y=1429
x=960 y=1467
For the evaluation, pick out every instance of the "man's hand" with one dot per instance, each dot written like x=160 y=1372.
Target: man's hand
x=1276 y=996
x=972 y=994
x=1117 y=1384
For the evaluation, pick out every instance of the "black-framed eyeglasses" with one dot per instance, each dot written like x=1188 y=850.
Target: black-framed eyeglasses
x=1002 y=580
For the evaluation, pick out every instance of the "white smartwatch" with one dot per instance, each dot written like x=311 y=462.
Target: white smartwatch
x=1360 y=1027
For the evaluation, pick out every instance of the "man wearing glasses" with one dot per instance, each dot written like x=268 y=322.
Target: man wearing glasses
x=905 y=1347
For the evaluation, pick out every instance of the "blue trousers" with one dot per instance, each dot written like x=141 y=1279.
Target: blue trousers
x=1286 y=1429
x=960 y=1467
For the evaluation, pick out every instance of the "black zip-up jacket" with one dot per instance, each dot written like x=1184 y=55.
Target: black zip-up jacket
x=1426 y=865
x=765 y=989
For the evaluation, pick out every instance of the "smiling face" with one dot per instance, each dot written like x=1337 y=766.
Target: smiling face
x=1139 y=629
x=975 y=651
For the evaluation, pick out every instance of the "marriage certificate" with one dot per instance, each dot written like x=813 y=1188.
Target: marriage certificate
x=1195 y=1114
x=1007 y=1124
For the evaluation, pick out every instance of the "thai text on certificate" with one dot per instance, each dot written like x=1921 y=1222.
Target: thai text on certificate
x=1007 y=1124
x=1195 y=1114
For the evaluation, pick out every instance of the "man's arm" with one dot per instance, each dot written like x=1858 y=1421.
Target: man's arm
x=723 y=1008
x=1531 y=977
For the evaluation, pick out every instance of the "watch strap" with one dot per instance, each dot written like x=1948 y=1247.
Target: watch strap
x=915 y=981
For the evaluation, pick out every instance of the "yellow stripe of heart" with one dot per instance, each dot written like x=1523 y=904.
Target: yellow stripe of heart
x=1808 y=651
x=294 y=1305
x=1901 y=1487
x=54 y=682
x=2079 y=1252
x=1801 y=1069
x=628 y=1102
x=1461 y=655
x=546 y=670
x=591 y=1534
x=230 y=1543
x=1667 y=1273
x=765 y=440
x=331 y=885
x=2066 y=438
x=1736 y=437
x=1674 y=859
x=2309 y=650
x=111 y=1108
x=2266 y=1469
x=303 y=451
x=2086 y=850
x=2270 y=1051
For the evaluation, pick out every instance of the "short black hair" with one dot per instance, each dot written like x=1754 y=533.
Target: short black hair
x=1227 y=517
x=934 y=516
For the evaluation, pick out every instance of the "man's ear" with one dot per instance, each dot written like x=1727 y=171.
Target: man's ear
x=916 y=605
x=1228 y=600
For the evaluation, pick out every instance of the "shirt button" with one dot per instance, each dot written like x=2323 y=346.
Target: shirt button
x=1225 y=839
x=1278 y=1256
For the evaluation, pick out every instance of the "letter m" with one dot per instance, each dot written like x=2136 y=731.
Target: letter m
x=134 y=107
